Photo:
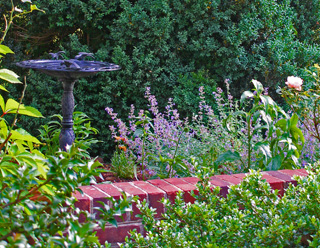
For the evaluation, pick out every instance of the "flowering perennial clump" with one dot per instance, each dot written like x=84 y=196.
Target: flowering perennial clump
x=233 y=136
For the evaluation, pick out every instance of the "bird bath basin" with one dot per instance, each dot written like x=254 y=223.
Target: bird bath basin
x=68 y=71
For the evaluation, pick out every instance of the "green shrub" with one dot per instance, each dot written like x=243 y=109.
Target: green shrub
x=122 y=165
x=161 y=43
x=252 y=215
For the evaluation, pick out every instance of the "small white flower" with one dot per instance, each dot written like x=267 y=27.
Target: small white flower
x=17 y=9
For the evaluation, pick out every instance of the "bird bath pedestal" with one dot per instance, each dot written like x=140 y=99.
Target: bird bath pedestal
x=68 y=71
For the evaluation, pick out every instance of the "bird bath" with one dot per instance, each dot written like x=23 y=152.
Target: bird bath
x=68 y=71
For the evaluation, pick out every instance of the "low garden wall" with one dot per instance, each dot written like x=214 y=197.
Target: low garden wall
x=154 y=190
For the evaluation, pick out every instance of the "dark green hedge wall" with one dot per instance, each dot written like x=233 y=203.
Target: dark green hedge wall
x=173 y=46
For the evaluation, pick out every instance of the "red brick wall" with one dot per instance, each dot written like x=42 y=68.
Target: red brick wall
x=154 y=190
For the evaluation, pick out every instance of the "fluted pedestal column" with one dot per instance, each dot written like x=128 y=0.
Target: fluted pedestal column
x=67 y=135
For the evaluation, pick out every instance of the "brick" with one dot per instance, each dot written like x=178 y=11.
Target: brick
x=240 y=175
x=131 y=190
x=109 y=189
x=288 y=179
x=229 y=178
x=192 y=180
x=114 y=192
x=83 y=203
x=184 y=186
x=96 y=196
x=154 y=196
x=303 y=171
x=293 y=172
x=224 y=186
x=274 y=182
x=114 y=234
x=170 y=190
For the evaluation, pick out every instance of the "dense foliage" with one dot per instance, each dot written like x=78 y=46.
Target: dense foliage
x=252 y=215
x=38 y=180
x=172 y=46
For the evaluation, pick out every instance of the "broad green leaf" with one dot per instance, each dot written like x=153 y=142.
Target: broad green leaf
x=266 y=117
x=9 y=76
x=228 y=156
x=264 y=147
x=282 y=123
x=267 y=100
x=20 y=134
x=245 y=95
x=257 y=85
x=30 y=111
x=294 y=120
x=296 y=134
x=4 y=49
x=12 y=106
x=27 y=210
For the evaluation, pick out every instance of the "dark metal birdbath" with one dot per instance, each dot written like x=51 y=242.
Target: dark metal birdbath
x=68 y=71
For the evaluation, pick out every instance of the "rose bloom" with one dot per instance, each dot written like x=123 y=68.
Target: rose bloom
x=294 y=83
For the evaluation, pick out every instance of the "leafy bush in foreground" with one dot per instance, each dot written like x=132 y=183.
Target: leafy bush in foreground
x=252 y=215
x=37 y=206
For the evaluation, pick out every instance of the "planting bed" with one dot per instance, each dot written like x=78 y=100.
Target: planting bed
x=154 y=190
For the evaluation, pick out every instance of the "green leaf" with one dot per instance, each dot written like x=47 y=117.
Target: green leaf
x=29 y=111
x=3 y=129
x=4 y=49
x=34 y=7
x=21 y=134
x=294 y=120
x=2 y=104
x=258 y=86
x=228 y=156
x=296 y=134
x=245 y=95
x=264 y=147
x=12 y=107
x=9 y=76
x=282 y=123
x=275 y=163
x=3 y=88
x=267 y=100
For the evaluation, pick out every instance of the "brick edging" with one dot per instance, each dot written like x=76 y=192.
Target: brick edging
x=154 y=190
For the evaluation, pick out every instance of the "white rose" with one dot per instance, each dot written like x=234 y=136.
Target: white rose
x=294 y=82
